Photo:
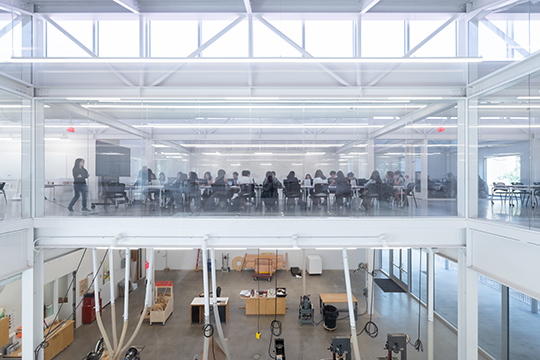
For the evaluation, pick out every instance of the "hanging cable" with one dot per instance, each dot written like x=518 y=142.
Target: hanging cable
x=418 y=346
x=371 y=329
x=276 y=327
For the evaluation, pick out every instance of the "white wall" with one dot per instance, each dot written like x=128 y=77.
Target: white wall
x=185 y=259
x=11 y=300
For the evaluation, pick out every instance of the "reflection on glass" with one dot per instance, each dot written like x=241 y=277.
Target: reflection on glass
x=524 y=325
x=446 y=289
x=489 y=316
x=419 y=274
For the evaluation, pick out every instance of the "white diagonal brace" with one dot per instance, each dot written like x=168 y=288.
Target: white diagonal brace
x=481 y=8
x=415 y=49
x=410 y=119
x=300 y=49
x=128 y=4
x=248 y=6
x=367 y=5
x=505 y=37
x=10 y=26
x=85 y=49
x=200 y=50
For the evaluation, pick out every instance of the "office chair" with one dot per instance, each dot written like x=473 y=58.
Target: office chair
x=499 y=188
x=114 y=192
x=523 y=194
x=293 y=191
x=320 y=192
x=410 y=192
x=374 y=192
x=2 y=191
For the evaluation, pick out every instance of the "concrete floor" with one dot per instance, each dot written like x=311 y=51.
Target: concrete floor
x=394 y=312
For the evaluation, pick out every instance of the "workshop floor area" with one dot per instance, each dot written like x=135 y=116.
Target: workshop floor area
x=394 y=312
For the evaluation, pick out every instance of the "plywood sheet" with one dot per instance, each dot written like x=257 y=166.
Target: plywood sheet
x=4 y=331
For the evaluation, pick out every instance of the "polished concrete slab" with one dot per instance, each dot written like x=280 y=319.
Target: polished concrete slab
x=178 y=339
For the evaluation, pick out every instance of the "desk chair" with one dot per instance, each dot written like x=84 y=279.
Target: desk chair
x=2 y=191
x=114 y=192
x=293 y=191
x=247 y=194
x=320 y=192
x=523 y=194
x=409 y=192
x=499 y=188
x=219 y=196
x=343 y=194
x=374 y=193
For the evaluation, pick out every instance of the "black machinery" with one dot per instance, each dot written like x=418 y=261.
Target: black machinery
x=341 y=347
x=396 y=343
x=280 y=349
x=132 y=354
x=98 y=351
x=305 y=310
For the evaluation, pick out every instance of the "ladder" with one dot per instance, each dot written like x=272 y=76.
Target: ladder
x=198 y=258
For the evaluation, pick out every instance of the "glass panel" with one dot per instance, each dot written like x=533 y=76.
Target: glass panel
x=405 y=266
x=441 y=45
x=118 y=38
x=11 y=42
x=329 y=38
x=387 y=32
x=183 y=33
x=48 y=300
x=446 y=289
x=419 y=274
x=489 y=316
x=233 y=44
x=13 y=111
x=385 y=262
x=59 y=45
x=268 y=44
x=524 y=325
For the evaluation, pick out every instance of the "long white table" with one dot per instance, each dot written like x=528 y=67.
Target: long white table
x=511 y=192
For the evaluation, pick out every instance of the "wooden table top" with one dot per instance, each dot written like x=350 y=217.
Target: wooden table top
x=335 y=298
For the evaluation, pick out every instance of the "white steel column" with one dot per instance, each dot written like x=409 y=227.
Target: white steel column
x=206 y=296
x=424 y=172
x=471 y=149
x=430 y=303
x=370 y=261
x=472 y=44
x=467 y=308
x=461 y=176
x=304 y=274
x=370 y=149
x=26 y=46
x=25 y=192
x=216 y=306
x=354 y=338
x=32 y=305
x=38 y=159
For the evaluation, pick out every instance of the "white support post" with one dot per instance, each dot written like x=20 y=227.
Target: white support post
x=370 y=149
x=430 y=303
x=32 y=303
x=37 y=148
x=250 y=44
x=462 y=158
x=26 y=159
x=472 y=44
x=467 y=308
x=113 y=299
x=352 y=321
x=216 y=306
x=471 y=149
x=424 y=172
x=370 y=256
x=304 y=273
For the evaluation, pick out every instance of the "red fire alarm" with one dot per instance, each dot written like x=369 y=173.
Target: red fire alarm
x=440 y=129
x=70 y=129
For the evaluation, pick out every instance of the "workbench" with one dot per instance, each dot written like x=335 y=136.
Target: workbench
x=197 y=309
x=325 y=299
x=265 y=306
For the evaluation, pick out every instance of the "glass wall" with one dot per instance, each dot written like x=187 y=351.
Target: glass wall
x=446 y=289
x=14 y=118
x=489 y=316
x=509 y=175
x=524 y=327
x=418 y=285
x=322 y=157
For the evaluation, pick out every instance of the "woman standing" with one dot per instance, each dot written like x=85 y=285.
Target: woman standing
x=79 y=185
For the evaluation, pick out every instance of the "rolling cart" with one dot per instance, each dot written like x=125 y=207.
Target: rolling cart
x=263 y=268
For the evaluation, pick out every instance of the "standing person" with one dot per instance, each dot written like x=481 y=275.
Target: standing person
x=79 y=185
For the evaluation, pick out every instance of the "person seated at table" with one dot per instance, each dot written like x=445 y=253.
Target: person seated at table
x=173 y=194
x=276 y=180
x=389 y=179
x=343 y=188
x=320 y=187
x=219 y=189
x=291 y=187
x=151 y=194
x=308 y=180
x=233 y=182
x=192 y=190
x=351 y=178
x=399 y=181
x=246 y=184
x=208 y=181
x=245 y=178
x=269 y=192
x=375 y=179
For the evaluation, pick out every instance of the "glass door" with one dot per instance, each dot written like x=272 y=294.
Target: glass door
x=400 y=266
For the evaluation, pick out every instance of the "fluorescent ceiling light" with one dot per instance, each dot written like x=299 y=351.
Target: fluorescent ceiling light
x=525 y=126
x=263 y=153
x=315 y=153
x=358 y=153
x=360 y=145
x=251 y=99
x=160 y=146
x=430 y=126
x=266 y=164
x=259 y=145
x=73 y=60
x=528 y=97
x=6 y=139
x=297 y=164
x=386 y=118
x=257 y=126
x=77 y=126
x=417 y=98
x=300 y=106
x=171 y=153
x=235 y=164
x=217 y=153
x=13 y=106
x=93 y=99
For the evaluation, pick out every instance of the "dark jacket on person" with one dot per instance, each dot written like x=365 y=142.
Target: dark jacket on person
x=80 y=171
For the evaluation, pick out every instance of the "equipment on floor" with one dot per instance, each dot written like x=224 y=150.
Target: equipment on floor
x=330 y=315
x=98 y=351
x=132 y=354
x=197 y=267
x=280 y=349
x=397 y=343
x=305 y=310
x=341 y=347
x=225 y=263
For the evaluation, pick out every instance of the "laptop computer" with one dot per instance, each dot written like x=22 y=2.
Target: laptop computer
x=155 y=183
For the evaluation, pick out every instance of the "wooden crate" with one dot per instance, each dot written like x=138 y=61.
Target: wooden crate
x=158 y=314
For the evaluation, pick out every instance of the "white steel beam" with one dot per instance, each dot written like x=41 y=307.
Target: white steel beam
x=506 y=77
x=467 y=306
x=85 y=49
x=505 y=37
x=245 y=232
x=200 y=50
x=247 y=4
x=301 y=50
x=415 y=49
x=409 y=119
x=131 y=5
x=367 y=5
x=10 y=26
